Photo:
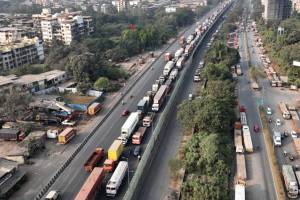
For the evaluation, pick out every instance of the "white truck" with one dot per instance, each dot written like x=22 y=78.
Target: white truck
x=178 y=53
x=243 y=118
x=115 y=181
x=180 y=63
x=238 y=141
x=128 y=127
x=189 y=39
x=239 y=191
x=290 y=181
x=159 y=97
x=155 y=87
x=247 y=139
x=168 y=67
x=148 y=119
x=277 y=138
x=174 y=74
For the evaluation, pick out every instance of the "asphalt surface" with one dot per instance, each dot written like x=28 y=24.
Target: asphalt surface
x=156 y=186
x=259 y=181
x=71 y=180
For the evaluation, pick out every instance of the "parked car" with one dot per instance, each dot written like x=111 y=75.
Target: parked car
x=256 y=128
x=137 y=150
x=294 y=134
x=68 y=122
x=278 y=122
x=269 y=111
x=125 y=112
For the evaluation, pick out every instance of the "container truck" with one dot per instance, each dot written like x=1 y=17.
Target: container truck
x=277 y=138
x=142 y=107
x=189 y=39
x=247 y=139
x=290 y=181
x=285 y=112
x=159 y=98
x=238 y=141
x=296 y=142
x=113 y=155
x=241 y=173
x=178 y=53
x=148 y=97
x=155 y=87
x=168 y=67
x=182 y=41
x=138 y=135
x=115 y=181
x=92 y=185
x=94 y=108
x=66 y=135
x=243 y=118
x=168 y=57
x=180 y=63
x=9 y=134
x=147 y=120
x=128 y=127
x=239 y=191
x=174 y=74
x=92 y=161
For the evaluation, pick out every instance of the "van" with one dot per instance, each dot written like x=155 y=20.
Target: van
x=52 y=195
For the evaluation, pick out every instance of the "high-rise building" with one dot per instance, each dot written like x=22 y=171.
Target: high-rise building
x=275 y=10
x=296 y=5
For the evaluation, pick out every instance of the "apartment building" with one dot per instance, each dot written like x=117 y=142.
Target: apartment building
x=64 y=26
x=18 y=53
x=296 y=5
x=276 y=10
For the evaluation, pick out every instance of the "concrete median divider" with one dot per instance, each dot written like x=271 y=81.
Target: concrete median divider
x=153 y=144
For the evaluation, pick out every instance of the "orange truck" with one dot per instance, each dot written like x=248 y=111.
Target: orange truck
x=96 y=156
x=92 y=185
x=94 y=108
x=138 y=135
x=113 y=154
x=66 y=135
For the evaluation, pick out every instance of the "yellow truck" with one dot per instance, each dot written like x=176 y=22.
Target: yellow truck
x=113 y=155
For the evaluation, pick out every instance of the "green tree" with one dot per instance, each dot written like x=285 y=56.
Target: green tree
x=101 y=83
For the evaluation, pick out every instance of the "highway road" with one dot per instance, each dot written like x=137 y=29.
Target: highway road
x=71 y=180
x=259 y=182
x=156 y=187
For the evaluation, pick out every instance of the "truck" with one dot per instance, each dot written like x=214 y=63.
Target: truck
x=247 y=139
x=197 y=78
x=168 y=67
x=243 y=118
x=178 y=53
x=182 y=41
x=113 y=154
x=241 y=173
x=94 y=108
x=148 y=97
x=129 y=126
x=10 y=134
x=159 y=98
x=296 y=142
x=239 y=70
x=285 y=112
x=180 y=63
x=92 y=185
x=238 y=141
x=174 y=74
x=239 y=191
x=189 y=39
x=155 y=87
x=142 y=107
x=66 y=135
x=147 y=120
x=168 y=56
x=92 y=161
x=277 y=138
x=115 y=181
x=290 y=181
x=138 y=135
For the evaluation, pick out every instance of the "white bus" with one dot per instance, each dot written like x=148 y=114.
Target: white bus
x=116 y=180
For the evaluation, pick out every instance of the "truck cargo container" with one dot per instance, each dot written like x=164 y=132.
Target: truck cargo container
x=115 y=181
x=290 y=181
x=148 y=97
x=173 y=74
x=189 y=39
x=238 y=141
x=241 y=173
x=285 y=112
x=113 y=155
x=147 y=120
x=9 y=134
x=142 y=107
x=296 y=126
x=138 y=135
x=168 y=57
x=92 y=161
x=94 y=108
x=239 y=191
x=243 y=118
x=66 y=135
x=178 y=53
x=247 y=139
x=180 y=63
x=155 y=87
x=92 y=185
x=168 y=67
x=159 y=98
x=129 y=126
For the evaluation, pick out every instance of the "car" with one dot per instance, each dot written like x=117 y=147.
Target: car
x=52 y=195
x=269 y=111
x=68 y=122
x=256 y=128
x=278 y=122
x=294 y=134
x=191 y=96
x=137 y=150
x=125 y=112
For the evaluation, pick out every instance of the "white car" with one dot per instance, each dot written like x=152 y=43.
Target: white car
x=269 y=111
x=278 y=122
x=68 y=123
x=294 y=134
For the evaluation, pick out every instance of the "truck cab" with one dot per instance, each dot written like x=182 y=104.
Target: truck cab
x=109 y=165
x=277 y=138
